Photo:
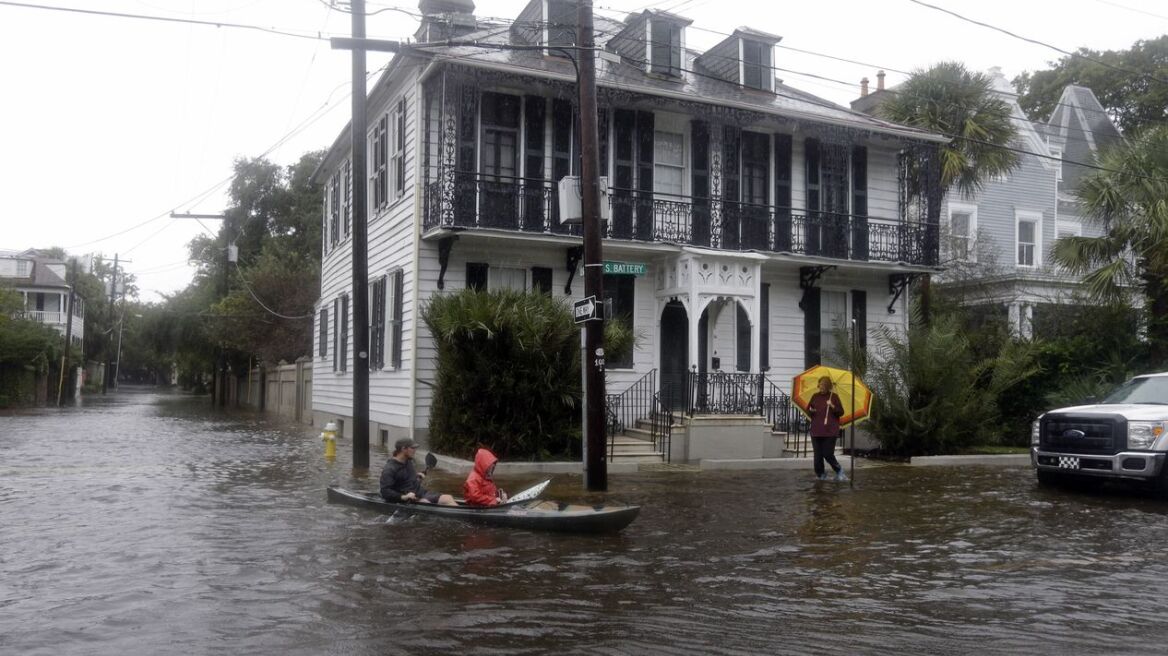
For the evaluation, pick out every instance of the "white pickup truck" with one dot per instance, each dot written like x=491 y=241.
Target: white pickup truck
x=1123 y=437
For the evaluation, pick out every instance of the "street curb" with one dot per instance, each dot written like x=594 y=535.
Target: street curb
x=1002 y=460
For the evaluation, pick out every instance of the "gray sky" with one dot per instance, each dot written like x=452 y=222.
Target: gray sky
x=109 y=123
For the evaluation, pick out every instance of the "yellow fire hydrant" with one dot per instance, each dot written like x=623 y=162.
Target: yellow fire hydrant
x=330 y=440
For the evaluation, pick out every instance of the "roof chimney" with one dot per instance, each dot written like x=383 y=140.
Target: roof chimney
x=445 y=19
x=879 y=80
x=863 y=87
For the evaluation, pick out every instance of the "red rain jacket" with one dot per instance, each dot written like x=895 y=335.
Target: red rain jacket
x=479 y=489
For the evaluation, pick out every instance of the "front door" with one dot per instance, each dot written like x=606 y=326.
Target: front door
x=674 y=353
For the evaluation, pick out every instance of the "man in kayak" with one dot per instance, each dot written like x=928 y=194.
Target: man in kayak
x=479 y=488
x=401 y=482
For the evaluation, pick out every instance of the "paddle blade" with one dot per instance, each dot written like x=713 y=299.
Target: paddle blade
x=431 y=461
x=530 y=493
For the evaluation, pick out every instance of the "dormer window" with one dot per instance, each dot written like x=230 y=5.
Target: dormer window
x=665 y=48
x=561 y=23
x=756 y=65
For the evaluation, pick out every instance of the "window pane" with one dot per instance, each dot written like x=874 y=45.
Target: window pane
x=506 y=278
x=959 y=224
x=1026 y=232
x=668 y=148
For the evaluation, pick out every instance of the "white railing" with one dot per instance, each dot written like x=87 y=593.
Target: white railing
x=43 y=316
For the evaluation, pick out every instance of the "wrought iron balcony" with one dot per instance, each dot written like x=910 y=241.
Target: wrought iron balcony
x=472 y=200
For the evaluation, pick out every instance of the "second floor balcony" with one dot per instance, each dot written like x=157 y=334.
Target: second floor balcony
x=472 y=200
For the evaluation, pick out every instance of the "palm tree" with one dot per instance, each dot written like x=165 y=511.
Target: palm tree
x=1128 y=197
x=950 y=100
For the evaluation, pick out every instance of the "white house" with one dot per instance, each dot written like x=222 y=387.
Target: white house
x=41 y=284
x=749 y=220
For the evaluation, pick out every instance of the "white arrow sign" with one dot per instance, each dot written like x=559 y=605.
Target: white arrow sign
x=585 y=309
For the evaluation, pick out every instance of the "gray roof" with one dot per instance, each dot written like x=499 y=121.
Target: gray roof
x=1081 y=122
x=628 y=75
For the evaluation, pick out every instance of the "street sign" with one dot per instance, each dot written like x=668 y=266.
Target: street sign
x=624 y=268
x=586 y=309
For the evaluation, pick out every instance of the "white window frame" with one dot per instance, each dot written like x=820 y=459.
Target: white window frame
x=397 y=161
x=22 y=268
x=971 y=238
x=1036 y=219
x=676 y=167
x=1057 y=152
x=496 y=274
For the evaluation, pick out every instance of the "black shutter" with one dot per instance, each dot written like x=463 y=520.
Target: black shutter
x=764 y=328
x=476 y=276
x=533 y=208
x=783 y=192
x=859 y=203
x=731 y=212
x=396 y=345
x=344 y=350
x=323 y=346
x=742 y=339
x=811 y=355
x=700 y=182
x=644 y=219
x=860 y=315
x=624 y=126
x=602 y=135
x=336 y=332
x=813 y=224
x=541 y=280
x=561 y=139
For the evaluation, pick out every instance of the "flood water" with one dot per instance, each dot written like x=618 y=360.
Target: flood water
x=148 y=523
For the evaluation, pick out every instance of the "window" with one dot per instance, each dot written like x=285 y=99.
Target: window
x=665 y=48
x=500 y=119
x=561 y=30
x=962 y=232
x=833 y=322
x=399 y=149
x=332 y=192
x=377 y=324
x=476 y=276
x=541 y=280
x=756 y=65
x=755 y=165
x=1028 y=252
x=343 y=351
x=22 y=268
x=668 y=163
x=347 y=207
x=378 y=176
x=618 y=302
x=1058 y=153
x=507 y=278
x=322 y=347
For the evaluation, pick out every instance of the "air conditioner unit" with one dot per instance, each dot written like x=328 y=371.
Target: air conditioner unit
x=570 y=200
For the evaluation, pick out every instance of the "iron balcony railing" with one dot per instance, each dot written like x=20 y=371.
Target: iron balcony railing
x=643 y=402
x=472 y=200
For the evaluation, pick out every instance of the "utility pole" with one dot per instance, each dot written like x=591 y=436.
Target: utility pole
x=220 y=379
x=360 y=299
x=113 y=290
x=65 y=359
x=121 y=326
x=595 y=467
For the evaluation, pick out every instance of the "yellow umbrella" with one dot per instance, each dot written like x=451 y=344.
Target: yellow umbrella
x=856 y=406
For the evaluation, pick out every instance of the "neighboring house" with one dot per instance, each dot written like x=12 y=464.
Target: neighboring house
x=41 y=283
x=750 y=222
x=997 y=243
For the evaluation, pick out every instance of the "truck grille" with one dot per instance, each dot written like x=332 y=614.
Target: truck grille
x=1084 y=434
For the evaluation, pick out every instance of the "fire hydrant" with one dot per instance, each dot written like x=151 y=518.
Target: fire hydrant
x=330 y=440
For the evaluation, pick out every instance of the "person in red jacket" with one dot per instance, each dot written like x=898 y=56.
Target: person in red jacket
x=480 y=488
x=825 y=409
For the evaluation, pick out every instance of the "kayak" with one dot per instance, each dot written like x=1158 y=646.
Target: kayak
x=530 y=514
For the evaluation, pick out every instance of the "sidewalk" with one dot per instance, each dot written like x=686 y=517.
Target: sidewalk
x=459 y=466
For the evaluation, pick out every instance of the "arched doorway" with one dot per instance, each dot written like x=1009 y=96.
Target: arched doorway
x=674 y=352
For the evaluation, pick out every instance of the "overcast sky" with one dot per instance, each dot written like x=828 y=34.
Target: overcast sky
x=109 y=123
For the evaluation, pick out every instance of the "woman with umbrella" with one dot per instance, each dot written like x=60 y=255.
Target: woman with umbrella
x=825 y=409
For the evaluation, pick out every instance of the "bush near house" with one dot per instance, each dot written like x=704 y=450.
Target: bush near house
x=508 y=375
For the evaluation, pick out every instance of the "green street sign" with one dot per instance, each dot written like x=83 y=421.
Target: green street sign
x=624 y=268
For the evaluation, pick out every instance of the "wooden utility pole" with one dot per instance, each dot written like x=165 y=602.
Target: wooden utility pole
x=360 y=295
x=595 y=466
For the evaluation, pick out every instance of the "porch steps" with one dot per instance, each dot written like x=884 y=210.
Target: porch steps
x=635 y=444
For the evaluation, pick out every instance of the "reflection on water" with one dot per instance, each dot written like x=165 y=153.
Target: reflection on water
x=148 y=523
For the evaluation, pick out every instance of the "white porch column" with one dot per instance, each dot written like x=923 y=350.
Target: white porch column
x=1014 y=314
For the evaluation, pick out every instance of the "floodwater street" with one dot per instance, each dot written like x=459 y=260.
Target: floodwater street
x=150 y=523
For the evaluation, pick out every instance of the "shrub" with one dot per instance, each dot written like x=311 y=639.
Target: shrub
x=508 y=374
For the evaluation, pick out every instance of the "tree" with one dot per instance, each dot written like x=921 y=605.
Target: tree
x=1134 y=99
x=1125 y=196
x=953 y=101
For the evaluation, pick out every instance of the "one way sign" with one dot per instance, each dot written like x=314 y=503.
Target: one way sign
x=586 y=309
